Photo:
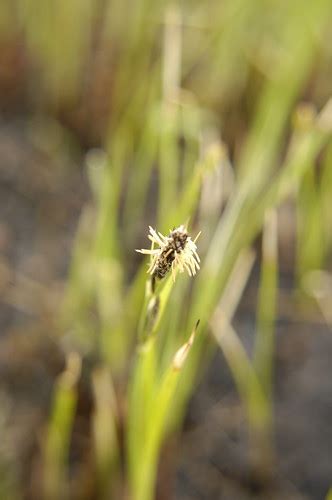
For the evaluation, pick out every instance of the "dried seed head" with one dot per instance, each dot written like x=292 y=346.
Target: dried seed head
x=176 y=252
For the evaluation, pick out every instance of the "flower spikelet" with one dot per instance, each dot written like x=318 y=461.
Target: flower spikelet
x=175 y=252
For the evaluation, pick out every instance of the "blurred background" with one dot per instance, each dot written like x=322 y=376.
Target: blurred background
x=116 y=115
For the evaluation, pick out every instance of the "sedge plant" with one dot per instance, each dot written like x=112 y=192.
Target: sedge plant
x=176 y=72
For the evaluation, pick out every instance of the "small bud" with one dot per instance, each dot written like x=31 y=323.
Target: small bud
x=182 y=353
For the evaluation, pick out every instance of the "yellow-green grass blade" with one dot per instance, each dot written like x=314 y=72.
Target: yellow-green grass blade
x=57 y=440
x=104 y=430
x=267 y=304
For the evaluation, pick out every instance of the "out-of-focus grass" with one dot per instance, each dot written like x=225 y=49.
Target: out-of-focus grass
x=57 y=440
x=107 y=450
x=176 y=73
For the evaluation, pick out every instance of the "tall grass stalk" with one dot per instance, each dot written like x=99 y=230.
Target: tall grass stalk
x=151 y=401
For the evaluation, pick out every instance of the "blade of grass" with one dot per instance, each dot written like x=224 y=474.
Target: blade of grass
x=244 y=374
x=325 y=197
x=310 y=251
x=266 y=313
x=104 y=426
x=142 y=484
x=251 y=391
x=170 y=126
x=142 y=394
x=190 y=195
x=154 y=308
x=60 y=425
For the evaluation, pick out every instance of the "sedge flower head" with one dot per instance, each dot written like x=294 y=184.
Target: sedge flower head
x=175 y=252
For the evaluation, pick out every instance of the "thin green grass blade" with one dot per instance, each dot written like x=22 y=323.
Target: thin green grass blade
x=142 y=398
x=57 y=441
x=156 y=424
x=267 y=303
x=104 y=428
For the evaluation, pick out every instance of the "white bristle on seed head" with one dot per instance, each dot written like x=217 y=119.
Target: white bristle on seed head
x=175 y=252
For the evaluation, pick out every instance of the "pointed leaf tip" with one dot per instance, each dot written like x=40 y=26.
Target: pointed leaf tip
x=182 y=353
